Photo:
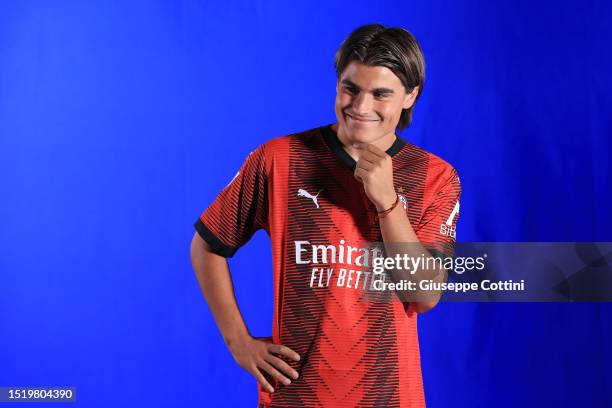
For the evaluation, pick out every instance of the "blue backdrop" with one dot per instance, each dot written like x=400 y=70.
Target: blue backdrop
x=120 y=121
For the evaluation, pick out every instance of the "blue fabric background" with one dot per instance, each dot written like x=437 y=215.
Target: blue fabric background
x=120 y=121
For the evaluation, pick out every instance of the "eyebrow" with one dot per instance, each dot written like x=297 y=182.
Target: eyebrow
x=351 y=84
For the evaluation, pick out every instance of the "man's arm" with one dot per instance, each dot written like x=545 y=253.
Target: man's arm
x=396 y=228
x=375 y=171
x=250 y=353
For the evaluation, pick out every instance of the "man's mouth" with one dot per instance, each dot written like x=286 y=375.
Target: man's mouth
x=360 y=119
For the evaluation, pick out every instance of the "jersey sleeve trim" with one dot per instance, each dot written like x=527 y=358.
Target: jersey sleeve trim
x=217 y=246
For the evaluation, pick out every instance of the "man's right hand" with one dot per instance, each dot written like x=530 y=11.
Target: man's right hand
x=252 y=354
x=259 y=353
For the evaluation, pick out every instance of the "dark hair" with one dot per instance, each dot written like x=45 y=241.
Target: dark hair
x=391 y=47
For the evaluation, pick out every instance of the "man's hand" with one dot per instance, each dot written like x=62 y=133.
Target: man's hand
x=375 y=171
x=259 y=353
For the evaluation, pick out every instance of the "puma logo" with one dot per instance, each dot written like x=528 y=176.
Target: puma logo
x=304 y=193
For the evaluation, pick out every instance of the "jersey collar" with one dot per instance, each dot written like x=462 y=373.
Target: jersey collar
x=335 y=145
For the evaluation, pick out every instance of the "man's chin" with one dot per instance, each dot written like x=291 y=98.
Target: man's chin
x=362 y=135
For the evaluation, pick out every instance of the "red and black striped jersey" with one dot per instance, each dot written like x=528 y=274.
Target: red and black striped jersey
x=355 y=351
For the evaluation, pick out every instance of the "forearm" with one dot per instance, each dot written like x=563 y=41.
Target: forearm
x=215 y=282
x=400 y=239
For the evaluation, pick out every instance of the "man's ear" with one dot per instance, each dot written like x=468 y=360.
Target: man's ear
x=410 y=98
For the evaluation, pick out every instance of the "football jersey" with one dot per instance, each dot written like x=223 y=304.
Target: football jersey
x=355 y=351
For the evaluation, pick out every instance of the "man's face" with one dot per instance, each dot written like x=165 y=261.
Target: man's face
x=369 y=102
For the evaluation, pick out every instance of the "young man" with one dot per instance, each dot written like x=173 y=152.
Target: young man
x=320 y=194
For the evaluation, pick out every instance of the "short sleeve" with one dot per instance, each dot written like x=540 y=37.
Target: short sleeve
x=239 y=210
x=437 y=229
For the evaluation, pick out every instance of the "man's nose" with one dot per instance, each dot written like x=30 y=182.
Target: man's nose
x=362 y=104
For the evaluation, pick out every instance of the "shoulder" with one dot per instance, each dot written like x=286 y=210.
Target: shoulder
x=280 y=143
x=279 y=148
x=442 y=167
x=438 y=171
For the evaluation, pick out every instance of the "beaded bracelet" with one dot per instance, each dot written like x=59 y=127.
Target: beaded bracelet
x=382 y=214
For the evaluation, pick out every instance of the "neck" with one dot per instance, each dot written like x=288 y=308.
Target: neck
x=384 y=142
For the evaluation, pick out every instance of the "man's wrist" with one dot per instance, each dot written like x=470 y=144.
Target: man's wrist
x=235 y=337
x=386 y=203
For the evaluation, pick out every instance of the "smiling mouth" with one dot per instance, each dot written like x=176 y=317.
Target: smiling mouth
x=358 y=119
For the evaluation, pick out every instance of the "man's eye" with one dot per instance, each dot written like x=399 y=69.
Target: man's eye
x=380 y=95
x=352 y=91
